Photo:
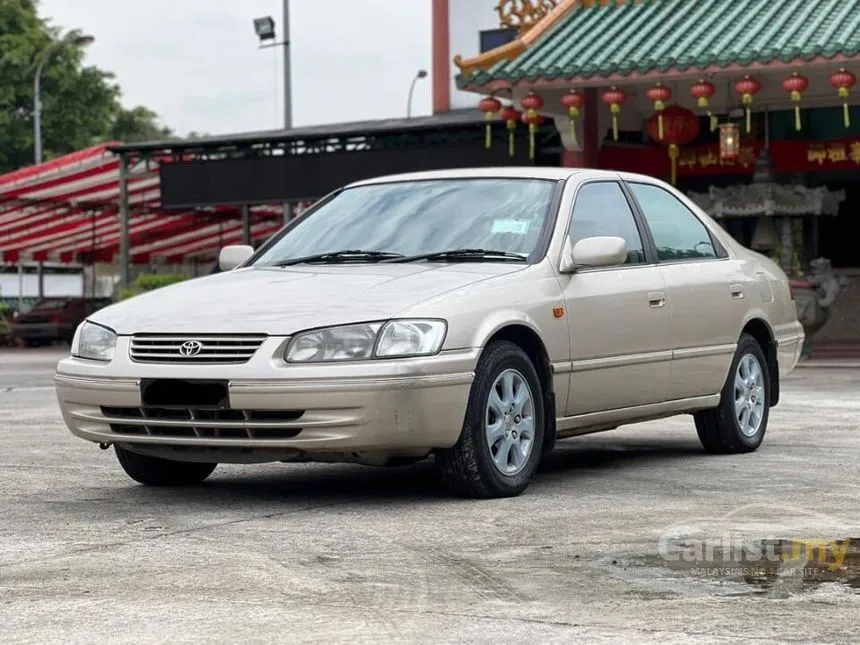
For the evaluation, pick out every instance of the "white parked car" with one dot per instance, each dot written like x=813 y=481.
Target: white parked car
x=473 y=315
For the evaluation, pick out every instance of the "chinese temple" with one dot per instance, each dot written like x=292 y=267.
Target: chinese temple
x=749 y=107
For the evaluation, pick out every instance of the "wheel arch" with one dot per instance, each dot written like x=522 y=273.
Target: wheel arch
x=759 y=329
x=529 y=340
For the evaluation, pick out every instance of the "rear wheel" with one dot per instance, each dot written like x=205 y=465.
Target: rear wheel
x=739 y=422
x=500 y=445
x=154 y=471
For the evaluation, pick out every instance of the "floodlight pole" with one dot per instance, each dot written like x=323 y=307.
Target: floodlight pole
x=288 y=93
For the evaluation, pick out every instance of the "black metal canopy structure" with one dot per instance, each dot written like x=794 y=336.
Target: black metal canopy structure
x=315 y=138
x=303 y=164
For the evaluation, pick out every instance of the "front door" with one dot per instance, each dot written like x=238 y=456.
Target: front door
x=708 y=292
x=618 y=316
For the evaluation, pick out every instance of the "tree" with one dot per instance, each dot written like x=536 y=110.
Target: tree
x=138 y=124
x=81 y=105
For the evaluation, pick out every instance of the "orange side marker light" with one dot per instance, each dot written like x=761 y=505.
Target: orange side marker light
x=558 y=312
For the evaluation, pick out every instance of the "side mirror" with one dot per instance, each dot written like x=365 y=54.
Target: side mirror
x=593 y=252
x=232 y=256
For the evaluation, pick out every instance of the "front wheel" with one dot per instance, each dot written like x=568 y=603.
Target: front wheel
x=500 y=445
x=154 y=471
x=739 y=422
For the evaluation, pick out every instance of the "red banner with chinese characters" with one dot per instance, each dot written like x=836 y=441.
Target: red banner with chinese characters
x=704 y=160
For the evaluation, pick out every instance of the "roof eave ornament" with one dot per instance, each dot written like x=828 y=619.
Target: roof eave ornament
x=523 y=14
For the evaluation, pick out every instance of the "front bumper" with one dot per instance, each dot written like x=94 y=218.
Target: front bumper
x=396 y=406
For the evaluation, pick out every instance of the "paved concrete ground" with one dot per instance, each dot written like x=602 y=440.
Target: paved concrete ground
x=323 y=553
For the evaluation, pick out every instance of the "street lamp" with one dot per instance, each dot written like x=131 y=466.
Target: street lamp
x=264 y=27
x=74 y=37
x=422 y=73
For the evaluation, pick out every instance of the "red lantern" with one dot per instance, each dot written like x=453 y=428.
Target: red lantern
x=614 y=98
x=795 y=85
x=703 y=90
x=747 y=87
x=489 y=105
x=844 y=80
x=659 y=95
x=532 y=103
x=511 y=116
x=574 y=101
x=681 y=126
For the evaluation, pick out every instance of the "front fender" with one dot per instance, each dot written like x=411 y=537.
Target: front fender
x=498 y=320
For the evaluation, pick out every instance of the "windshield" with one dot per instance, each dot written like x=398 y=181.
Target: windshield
x=422 y=217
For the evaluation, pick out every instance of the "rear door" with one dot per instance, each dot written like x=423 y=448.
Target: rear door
x=708 y=292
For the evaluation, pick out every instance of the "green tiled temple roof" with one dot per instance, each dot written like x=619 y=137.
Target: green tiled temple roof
x=679 y=35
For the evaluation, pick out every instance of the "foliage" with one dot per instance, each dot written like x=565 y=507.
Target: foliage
x=138 y=124
x=125 y=294
x=150 y=282
x=80 y=104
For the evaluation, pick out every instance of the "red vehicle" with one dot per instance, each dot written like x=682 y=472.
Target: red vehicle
x=53 y=319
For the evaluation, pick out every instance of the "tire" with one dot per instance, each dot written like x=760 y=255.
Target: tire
x=469 y=468
x=154 y=471
x=720 y=429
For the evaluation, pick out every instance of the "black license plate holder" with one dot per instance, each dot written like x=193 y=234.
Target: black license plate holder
x=200 y=394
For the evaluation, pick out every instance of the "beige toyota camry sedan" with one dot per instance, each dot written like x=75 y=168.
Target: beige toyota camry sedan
x=475 y=316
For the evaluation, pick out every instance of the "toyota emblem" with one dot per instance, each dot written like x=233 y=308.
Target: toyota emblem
x=190 y=348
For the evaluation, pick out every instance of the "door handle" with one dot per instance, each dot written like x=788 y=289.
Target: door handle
x=656 y=299
x=737 y=291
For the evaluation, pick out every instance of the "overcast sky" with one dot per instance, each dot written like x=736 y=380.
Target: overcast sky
x=197 y=62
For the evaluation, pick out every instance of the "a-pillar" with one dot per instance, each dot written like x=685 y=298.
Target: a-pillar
x=584 y=152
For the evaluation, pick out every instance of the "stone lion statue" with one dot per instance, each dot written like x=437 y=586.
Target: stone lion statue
x=826 y=283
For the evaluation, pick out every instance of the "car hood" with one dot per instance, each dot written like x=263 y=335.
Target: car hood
x=282 y=301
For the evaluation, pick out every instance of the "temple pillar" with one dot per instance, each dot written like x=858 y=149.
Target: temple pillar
x=585 y=151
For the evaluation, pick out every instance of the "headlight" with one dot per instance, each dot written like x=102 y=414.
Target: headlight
x=94 y=342
x=347 y=343
x=411 y=338
x=396 y=338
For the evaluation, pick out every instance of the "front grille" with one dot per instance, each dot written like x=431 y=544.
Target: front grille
x=216 y=424
x=203 y=348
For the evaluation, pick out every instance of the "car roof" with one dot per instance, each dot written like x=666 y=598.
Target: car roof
x=503 y=172
x=509 y=172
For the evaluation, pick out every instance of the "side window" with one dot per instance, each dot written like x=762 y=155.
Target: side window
x=678 y=233
x=601 y=208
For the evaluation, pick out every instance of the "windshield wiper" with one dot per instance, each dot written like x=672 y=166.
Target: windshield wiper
x=341 y=256
x=466 y=255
